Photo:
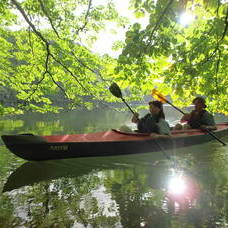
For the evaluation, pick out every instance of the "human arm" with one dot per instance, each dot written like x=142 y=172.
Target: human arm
x=185 y=117
x=163 y=129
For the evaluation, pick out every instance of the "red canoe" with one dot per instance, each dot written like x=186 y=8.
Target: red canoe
x=108 y=143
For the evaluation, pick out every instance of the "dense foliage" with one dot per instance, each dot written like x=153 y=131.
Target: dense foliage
x=50 y=55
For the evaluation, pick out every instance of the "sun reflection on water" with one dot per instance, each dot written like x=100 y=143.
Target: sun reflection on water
x=182 y=191
x=177 y=185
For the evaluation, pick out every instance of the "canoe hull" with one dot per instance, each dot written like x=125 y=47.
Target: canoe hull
x=37 y=148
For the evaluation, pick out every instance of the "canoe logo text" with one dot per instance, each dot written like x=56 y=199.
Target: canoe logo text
x=58 y=148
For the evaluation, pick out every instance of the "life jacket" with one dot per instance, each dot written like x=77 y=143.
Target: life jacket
x=195 y=119
x=148 y=124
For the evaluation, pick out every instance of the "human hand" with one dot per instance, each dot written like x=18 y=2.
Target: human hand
x=185 y=117
x=135 y=118
x=154 y=135
x=205 y=127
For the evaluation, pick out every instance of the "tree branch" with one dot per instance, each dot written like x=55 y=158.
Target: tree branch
x=59 y=86
x=71 y=73
x=49 y=54
x=47 y=15
x=43 y=75
x=29 y=22
x=158 y=22
x=30 y=41
x=47 y=46
x=216 y=72
x=87 y=67
x=226 y=26
x=86 y=17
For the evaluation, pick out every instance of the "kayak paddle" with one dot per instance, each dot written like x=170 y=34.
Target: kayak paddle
x=116 y=91
x=158 y=96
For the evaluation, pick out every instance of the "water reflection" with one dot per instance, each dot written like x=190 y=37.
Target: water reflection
x=131 y=191
x=121 y=191
x=34 y=172
x=182 y=191
x=69 y=122
x=177 y=185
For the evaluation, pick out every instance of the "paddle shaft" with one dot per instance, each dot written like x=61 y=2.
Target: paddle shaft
x=116 y=91
x=127 y=105
x=213 y=135
x=208 y=131
x=175 y=107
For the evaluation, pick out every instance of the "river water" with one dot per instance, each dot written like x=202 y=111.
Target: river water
x=189 y=189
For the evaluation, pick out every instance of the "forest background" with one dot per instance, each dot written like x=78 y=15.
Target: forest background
x=51 y=54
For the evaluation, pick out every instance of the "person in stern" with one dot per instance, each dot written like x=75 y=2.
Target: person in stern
x=153 y=122
x=199 y=118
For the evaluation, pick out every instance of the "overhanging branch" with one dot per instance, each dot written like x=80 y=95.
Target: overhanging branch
x=157 y=24
x=47 y=15
x=29 y=22
x=86 y=17
x=49 y=54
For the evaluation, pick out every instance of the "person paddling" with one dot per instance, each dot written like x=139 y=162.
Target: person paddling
x=153 y=122
x=199 y=118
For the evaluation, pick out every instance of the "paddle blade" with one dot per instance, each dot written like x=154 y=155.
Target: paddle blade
x=115 y=90
x=158 y=96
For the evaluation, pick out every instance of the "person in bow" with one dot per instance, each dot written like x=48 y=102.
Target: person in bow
x=154 y=122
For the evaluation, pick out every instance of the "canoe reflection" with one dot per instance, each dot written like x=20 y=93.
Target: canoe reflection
x=35 y=172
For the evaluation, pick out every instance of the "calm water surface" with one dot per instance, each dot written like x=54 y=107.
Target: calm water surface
x=189 y=189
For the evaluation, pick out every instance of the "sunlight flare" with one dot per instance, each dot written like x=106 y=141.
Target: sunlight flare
x=186 y=18
x=177 y=185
